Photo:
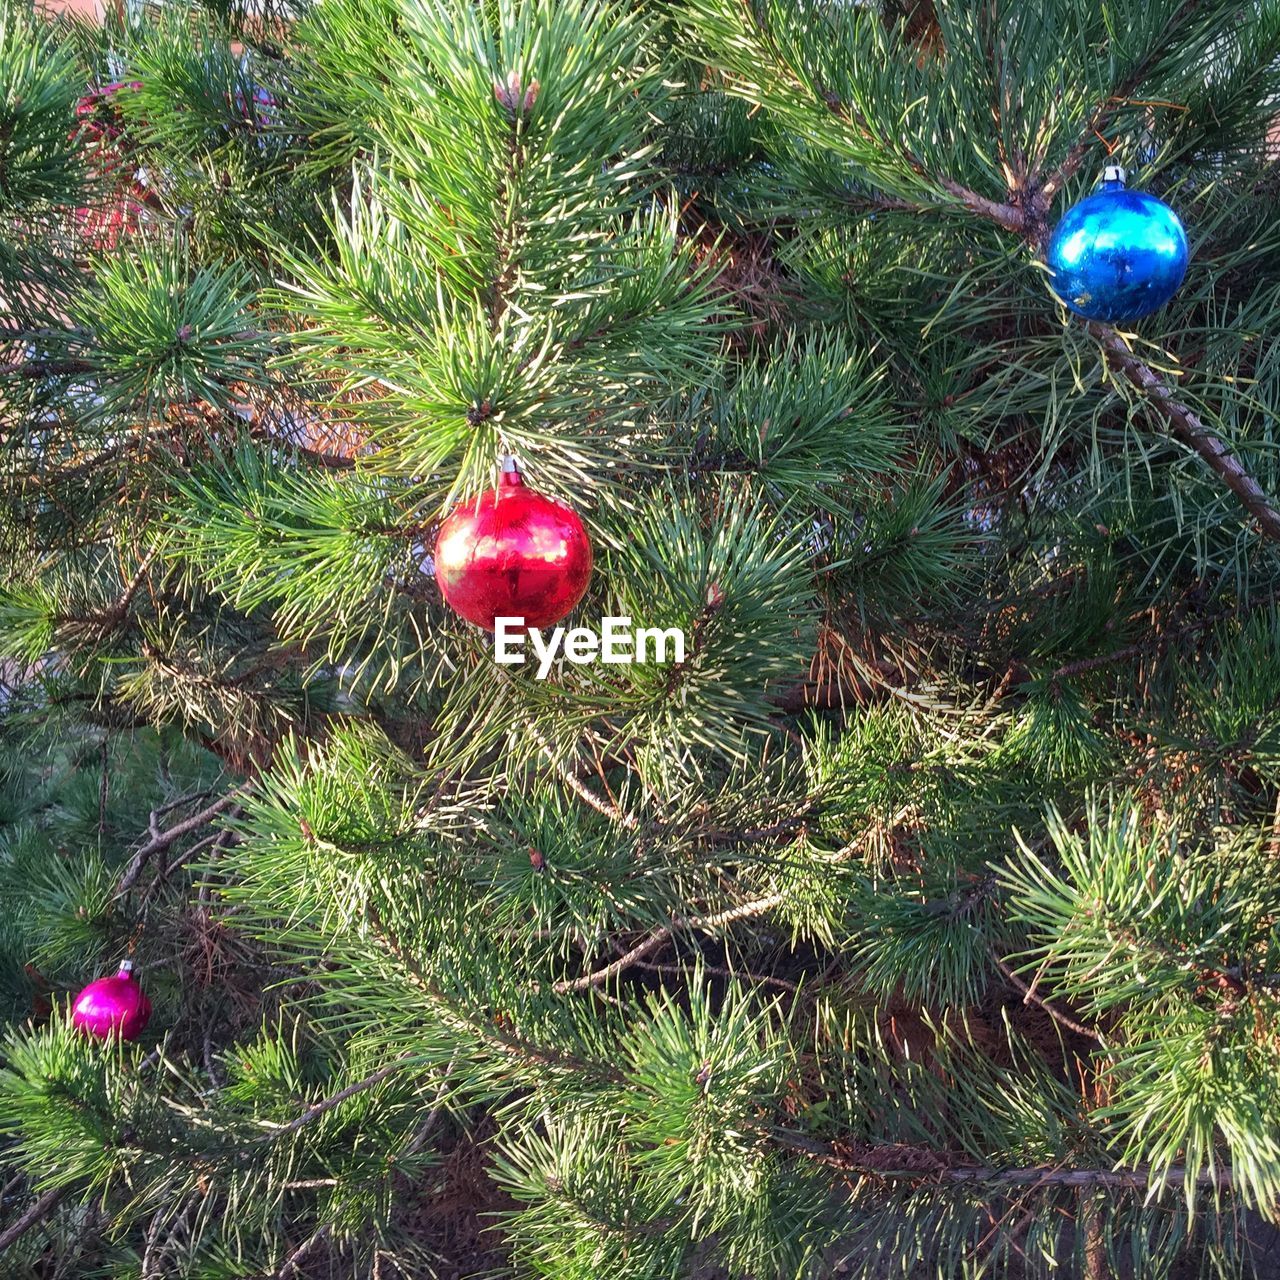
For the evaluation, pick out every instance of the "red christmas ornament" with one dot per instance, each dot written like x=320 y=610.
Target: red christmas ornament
x=99 y=130
x=112 y=1006
x=513 y=553
x=99 y=114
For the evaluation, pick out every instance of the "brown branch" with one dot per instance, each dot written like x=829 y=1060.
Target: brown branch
x=784 y=826
x=1031 y=996
x=1132 y=1179
x=334 y=461
x=1010 y=216
x=1185 y=423
x=293 y=1263
x=166 y=838
x=1082 y=666
x=506 y=264
x=580 y=788
x=336 y=1099
x=35 y=1215
x=113 y=616
x=663 y=934
x=44 y=368
x=74 y=471
x=360 y=1086
x=874 y=1164
x=423 y=1131
x=163 y=809
x=760 y=979
x=218 y=839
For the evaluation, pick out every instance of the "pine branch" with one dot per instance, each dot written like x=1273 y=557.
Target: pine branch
x=506 y=264
x=470 y=1028
x=293 y=1263
x=1160 y=640
x=336 y=1099
x=1092 y=131
x=580 y=788
x=1031 y=996
x=35 y=1215
x=876 y=1162
x=1185 y=423
x=112 y=616
x=164 y=839
x=663 y=934
x=189 y=798
x=1006 y=214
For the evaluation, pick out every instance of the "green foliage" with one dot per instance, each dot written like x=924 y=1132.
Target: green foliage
x=919 y=919
x=1179 y=945
x=165 y=331
x=38 y=94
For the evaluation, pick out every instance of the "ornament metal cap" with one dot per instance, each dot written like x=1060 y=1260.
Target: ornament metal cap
x=1115 y=173
x=126 y=968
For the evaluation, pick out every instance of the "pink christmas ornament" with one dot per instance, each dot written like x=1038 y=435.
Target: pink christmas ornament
x=112 y=1006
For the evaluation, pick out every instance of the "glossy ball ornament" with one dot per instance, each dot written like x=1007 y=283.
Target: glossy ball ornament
x=112 y=1006
x=513 y=553
x=1118 y=255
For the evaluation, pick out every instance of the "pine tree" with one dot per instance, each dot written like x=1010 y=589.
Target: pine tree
x=920 y=920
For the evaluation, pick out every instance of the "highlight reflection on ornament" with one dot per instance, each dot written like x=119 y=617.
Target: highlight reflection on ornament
x=1118 y=255
x=513 y=553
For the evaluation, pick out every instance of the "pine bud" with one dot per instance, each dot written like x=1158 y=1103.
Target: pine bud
x=513 y=96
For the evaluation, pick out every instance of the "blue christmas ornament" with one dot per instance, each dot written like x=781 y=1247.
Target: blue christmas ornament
x=1118 y=254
